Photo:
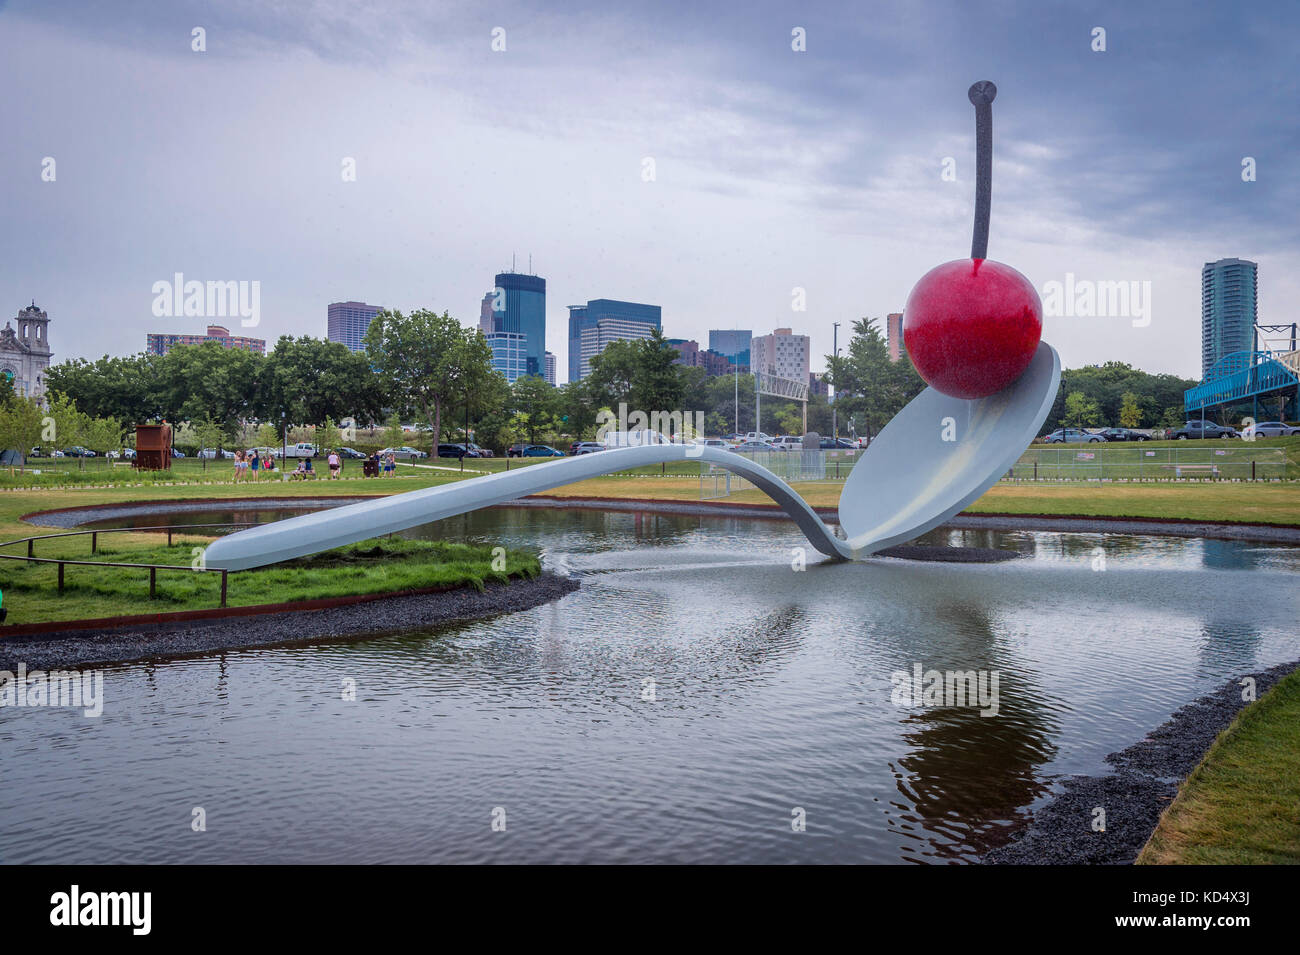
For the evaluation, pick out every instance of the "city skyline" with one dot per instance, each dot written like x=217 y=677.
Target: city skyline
x=843 y=144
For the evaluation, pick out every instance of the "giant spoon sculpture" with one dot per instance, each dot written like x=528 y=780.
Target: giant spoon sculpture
x=972 y=327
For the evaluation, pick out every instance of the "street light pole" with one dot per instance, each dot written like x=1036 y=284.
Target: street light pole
x=835 y=354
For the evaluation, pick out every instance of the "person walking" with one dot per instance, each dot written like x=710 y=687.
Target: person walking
x=335 y=463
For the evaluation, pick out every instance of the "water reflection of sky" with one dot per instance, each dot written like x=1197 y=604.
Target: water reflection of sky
x=772 y=687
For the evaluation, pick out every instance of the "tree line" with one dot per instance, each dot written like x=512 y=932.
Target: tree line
x=427 y=367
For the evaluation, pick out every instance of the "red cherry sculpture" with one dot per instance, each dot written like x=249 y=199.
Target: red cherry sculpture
x=971 y=327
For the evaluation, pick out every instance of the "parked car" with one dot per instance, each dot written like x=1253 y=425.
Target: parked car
x=352 y=453
x=541 y=451
x=1202 y=429
x=1123 y=434
x=482 y=451
x=177 y=453
x=211 y=453
x=838 y=444
x=1274 y=429
x=586 y=447
x=788 y=442
x=516 y=450
x=1073 y=436
x=77 y=451
x=456 y=451
x=302 y=449
x=404 y=453
x=751 y=446
x=714 y=443
x=634 y=439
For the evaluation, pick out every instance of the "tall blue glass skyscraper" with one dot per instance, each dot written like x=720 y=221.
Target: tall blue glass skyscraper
x=615 y=320
x=1228 y=309
x=732 y=342
x=524 y=313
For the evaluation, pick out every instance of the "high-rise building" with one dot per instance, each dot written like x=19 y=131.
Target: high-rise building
x=732 y=342
x=597 y=337
x=347 y=323
x=817 y=385
x=509 y=354
x=550 y=369
x=691 y=355
x=782 y=353
x=1229 y=305
x=523 y=311
x=486 y=325
x=621 y=321
x=894 y=334
x=156 y=344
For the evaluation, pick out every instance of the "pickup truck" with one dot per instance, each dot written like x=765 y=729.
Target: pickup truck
x=301 y=450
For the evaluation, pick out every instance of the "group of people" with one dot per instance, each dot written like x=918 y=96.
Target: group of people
x=249 y=463
x=385 y=464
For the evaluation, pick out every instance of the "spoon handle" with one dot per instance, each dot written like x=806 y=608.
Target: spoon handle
x=981 y=95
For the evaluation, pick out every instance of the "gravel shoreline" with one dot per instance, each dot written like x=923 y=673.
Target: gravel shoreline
x=1146 y=778
x=372 y=618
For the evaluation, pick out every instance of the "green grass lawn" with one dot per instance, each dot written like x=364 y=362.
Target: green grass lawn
x=376 y=566
x=1241 y=805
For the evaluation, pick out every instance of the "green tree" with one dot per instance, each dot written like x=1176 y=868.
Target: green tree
x=1130 y=411
x=327 y=436
x=643 y=373
x=209 y=432
x=195 y=380
x=394 y=436
x=1080 y=410
x=127 y=388
x=870 y=389
x=425 y=358
x=22 y=425
x=309 y=380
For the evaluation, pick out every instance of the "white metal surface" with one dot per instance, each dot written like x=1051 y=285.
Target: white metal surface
x=937 y=456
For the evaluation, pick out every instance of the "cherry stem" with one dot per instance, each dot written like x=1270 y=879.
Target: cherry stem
x=981 y=95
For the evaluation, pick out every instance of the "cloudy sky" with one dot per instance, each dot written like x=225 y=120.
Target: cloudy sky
x=774 y=169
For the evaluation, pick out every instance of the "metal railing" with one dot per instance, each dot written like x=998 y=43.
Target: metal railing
x=153 y=569
x=1133 y=462
x=792 y=467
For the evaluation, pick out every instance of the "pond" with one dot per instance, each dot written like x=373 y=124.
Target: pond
x=692 y=699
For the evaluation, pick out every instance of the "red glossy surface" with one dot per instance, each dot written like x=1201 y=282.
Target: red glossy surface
x=972 y=326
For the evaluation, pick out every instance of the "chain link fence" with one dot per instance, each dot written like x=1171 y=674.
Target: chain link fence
x=1135 y=463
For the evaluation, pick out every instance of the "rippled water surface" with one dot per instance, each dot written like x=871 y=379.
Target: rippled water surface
x=772 y=691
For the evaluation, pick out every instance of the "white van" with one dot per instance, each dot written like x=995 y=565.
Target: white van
x=633 y=439
x=301 y=450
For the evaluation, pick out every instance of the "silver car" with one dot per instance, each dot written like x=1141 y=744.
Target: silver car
x=1073 y=436
x=1274 y=429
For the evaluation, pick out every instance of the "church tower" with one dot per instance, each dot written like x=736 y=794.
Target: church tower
x=25 y=352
